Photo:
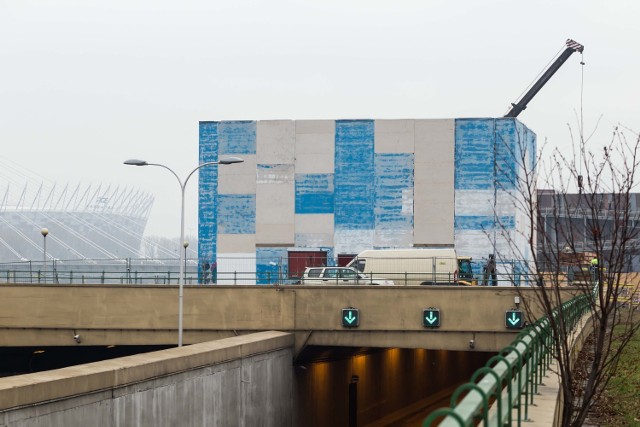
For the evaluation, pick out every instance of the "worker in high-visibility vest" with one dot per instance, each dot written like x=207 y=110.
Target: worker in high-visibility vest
x=595 y=273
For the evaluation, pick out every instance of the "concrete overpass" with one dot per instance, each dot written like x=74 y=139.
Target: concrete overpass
x=51 y=315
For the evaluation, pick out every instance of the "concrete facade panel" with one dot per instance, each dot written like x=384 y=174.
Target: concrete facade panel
x=481 y=202
x=237 y=243
x=434 y=186
x=314 y=146
x=315 y=164
x=314 y=231
x=275 y=213
x=277 y=142
x=394 y=136
x=315 y=127
x=353 y=241
x=238 y=178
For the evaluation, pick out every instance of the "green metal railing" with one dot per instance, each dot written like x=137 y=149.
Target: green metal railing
x=509 y=381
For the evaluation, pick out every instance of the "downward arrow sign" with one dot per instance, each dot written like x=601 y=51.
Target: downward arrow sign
x=431 y=319
x=514 y=319
x=350 y=318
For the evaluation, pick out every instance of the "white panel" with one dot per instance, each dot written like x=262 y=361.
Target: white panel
x=352 y=241
x=393 y=239
x=238 y=178
x=275 y=141
x=394 y=136
x=314 y=230
x=315 y=127
x=234 y=243
x=434 y=182
x=473 y=243
x=275 y=214
x=237 y=269
x=315 y=146
x=480 y=203
x=275 y=174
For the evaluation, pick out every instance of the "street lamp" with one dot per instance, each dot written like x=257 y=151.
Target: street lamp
x=225 y=161
x=186 y=245
x=44 y=232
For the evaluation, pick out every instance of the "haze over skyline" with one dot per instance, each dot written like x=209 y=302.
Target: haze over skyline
x=87 y=85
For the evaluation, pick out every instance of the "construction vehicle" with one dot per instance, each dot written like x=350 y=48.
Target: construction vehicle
x=518 y=107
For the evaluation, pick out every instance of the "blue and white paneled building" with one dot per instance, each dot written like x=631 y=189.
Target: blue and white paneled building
x=324 y=190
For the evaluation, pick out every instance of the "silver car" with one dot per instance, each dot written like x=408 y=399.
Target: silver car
x=340 y=276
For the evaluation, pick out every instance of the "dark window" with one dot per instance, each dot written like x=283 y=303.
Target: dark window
x=331 y=272
x=347 y=273
x=314 y=272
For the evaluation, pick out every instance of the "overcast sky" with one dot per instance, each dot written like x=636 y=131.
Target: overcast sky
x=85 y=85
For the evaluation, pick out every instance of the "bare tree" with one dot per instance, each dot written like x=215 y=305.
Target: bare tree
x=585 y=241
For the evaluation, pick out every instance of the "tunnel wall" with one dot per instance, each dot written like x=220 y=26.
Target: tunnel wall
x=245 y=380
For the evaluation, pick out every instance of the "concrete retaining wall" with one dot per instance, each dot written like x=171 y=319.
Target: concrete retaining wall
x=240 y=381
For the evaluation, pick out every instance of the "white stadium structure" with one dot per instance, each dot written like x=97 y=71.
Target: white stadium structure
x=95 y=233
x=84 y=222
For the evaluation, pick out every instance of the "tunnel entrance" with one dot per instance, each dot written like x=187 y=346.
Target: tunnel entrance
x=382 y=386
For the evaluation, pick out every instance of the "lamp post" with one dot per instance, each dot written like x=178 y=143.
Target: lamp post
x=186 y=245
x=183 y=185
x=44 y=232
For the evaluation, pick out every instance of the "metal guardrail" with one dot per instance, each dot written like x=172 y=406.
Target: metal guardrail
x=510 y=379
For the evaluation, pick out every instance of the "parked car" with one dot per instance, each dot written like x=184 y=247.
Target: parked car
x=340 y=276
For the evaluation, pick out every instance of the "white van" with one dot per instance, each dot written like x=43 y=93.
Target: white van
x=414 y=266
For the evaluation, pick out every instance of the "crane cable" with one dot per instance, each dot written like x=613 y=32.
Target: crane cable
x=580 y=178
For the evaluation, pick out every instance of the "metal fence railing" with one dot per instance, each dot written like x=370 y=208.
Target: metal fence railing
x=509 y=381
x=166 y=271
x=230 y=271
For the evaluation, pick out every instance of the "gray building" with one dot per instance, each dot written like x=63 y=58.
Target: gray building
x=569 y=225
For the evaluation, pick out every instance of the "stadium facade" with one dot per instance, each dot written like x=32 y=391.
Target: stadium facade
x=84 y=222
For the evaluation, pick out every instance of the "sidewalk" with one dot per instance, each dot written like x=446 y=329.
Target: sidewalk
x=542 y=412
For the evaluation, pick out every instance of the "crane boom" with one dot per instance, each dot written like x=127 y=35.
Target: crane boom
x=572 y=46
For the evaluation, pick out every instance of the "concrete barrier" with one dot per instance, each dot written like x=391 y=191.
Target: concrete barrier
x=244 y=380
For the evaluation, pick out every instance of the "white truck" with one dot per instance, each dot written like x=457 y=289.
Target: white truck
x=439 y=266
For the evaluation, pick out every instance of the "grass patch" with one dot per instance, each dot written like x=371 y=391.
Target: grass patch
x=623 y=391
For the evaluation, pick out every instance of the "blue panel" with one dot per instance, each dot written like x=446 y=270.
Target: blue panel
x=236 y=213
x=314 y=193
x=393 y=178
x=474 y=154
x=354 y=175
x=272 y=264
x=237 y=137
x=207 y=193
x=508 y=153
x=484 y=222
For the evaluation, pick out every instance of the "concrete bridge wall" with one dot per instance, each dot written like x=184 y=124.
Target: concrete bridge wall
x=240 y=381
x=48 y=315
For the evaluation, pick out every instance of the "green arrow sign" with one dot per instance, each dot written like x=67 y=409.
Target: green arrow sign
x=431 y=317
x=350 y=317
x=513 y=319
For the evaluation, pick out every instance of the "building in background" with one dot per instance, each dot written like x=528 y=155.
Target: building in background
x=320 y=191
x=570 y=223
x=84 y=221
